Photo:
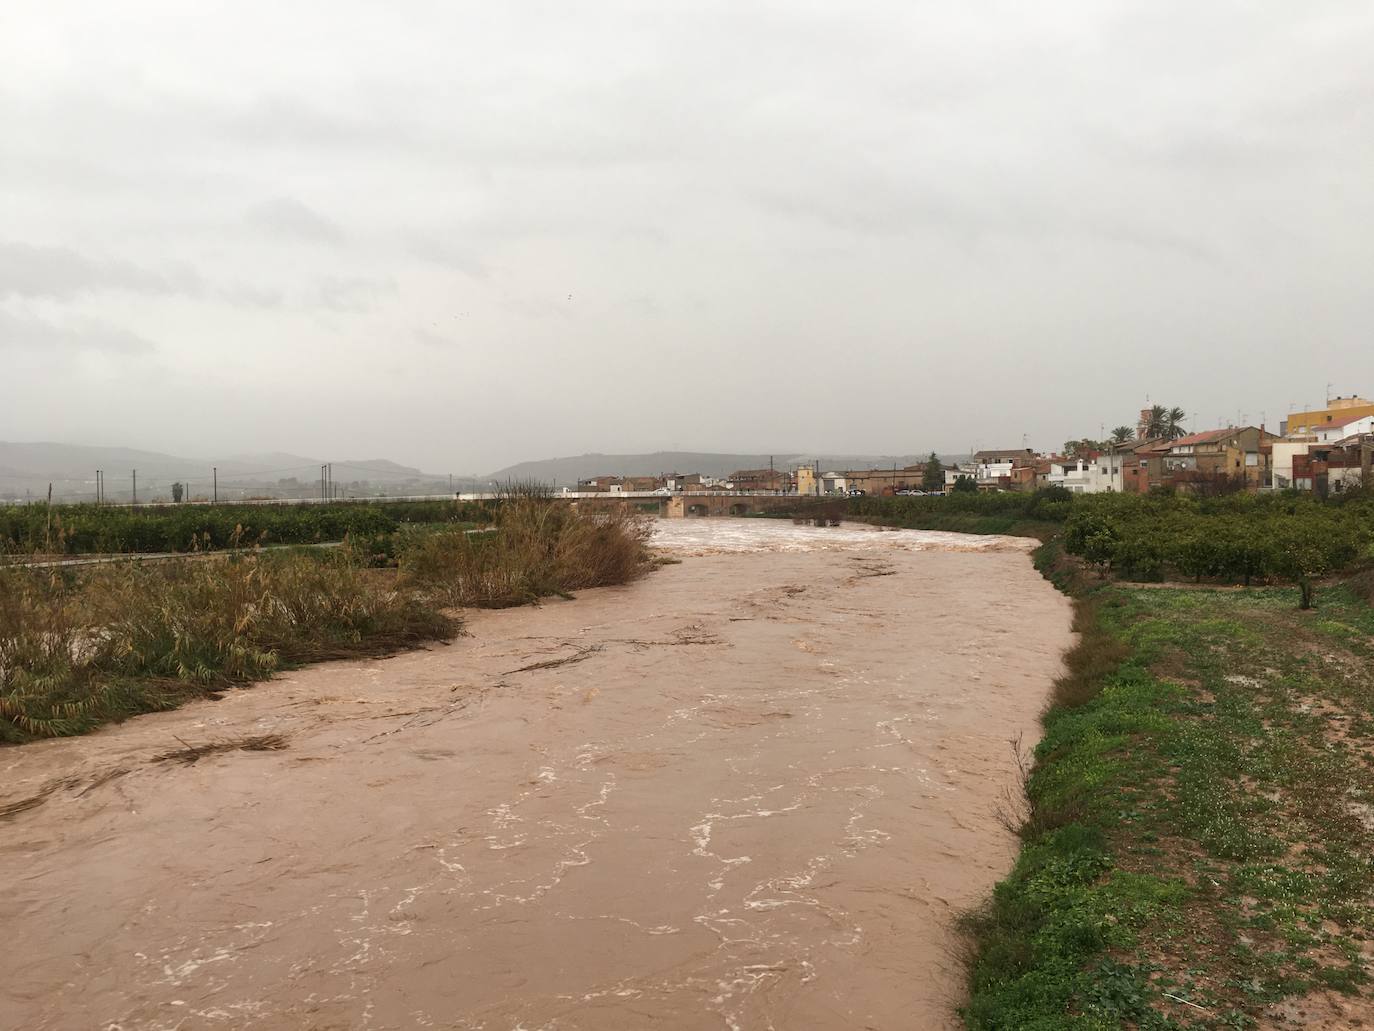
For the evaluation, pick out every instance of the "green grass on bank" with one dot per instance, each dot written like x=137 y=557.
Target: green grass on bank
x=1198 y=841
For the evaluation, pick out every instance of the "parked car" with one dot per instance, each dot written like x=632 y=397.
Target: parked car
x=857 y=493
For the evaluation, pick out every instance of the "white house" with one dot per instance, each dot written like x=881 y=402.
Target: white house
x=1111 y=470
x=1281 y=462
x=953 y=474
x=992 y=466
x=1076 y=474
x=1331 y=434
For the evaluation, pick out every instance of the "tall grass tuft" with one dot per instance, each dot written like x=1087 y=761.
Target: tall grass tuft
x=539 y=548
x=79 y=648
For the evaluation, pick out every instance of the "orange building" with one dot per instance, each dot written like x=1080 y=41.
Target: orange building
x=1338 y=412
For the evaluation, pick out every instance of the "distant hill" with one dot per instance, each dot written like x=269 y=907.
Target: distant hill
x=581 y=467
x=26 y=468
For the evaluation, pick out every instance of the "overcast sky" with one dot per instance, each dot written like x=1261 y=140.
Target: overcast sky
x=464 y=234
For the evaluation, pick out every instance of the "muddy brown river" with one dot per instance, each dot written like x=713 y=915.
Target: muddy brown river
x=749 y=791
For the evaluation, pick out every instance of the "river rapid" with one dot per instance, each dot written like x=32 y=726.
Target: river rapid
x=749 y=791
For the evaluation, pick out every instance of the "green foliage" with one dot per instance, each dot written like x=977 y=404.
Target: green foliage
x=1238 y=538
x=1166 y=422
x=1034 y=514
x=965 y=485
x=933 y=476
x=89 y=529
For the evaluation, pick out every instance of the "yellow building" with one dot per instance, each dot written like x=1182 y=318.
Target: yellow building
x=806 y=480
x=1338 y=412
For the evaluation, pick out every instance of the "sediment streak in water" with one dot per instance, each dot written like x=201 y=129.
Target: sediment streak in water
x=754 y=798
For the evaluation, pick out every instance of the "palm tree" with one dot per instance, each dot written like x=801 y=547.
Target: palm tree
x=1122 y=434
x=1173 y=423
x=1158 y=422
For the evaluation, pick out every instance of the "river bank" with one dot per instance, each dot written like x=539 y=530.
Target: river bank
x=1196 y=839
x=756 y=787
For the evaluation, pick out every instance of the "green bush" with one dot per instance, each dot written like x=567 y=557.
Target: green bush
x=1240 y=538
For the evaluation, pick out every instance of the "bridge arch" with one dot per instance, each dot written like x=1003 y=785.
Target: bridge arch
x=698 y=509
x=739 y=508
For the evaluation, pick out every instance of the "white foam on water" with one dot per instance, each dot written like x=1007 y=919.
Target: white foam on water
x=712 y=536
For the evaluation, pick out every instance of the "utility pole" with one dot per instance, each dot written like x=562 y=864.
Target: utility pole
x=135 y=486
x=215 y=475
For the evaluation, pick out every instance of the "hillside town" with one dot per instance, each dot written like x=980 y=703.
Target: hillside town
x=1327 y=450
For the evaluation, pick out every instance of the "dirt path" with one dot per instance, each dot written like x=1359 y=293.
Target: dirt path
x=747 y=792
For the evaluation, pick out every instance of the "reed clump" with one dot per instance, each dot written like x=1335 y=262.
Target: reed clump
x=83 y=647
x=539 y=548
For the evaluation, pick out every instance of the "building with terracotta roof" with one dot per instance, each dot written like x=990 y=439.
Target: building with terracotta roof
x=1236 y=457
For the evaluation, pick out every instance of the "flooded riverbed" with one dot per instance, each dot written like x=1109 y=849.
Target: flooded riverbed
x=749 y=791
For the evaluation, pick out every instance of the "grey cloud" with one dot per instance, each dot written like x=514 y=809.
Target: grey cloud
x=449 y=255
x=353 y=294
x=20 y=332
x=245 y=295
x=429 y=338
x=289 y=218
x=889 y=193
x=27 y=270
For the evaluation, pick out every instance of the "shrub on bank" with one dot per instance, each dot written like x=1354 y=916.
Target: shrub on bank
x=538 y=548
x=1035 y=514
x=1234 y=539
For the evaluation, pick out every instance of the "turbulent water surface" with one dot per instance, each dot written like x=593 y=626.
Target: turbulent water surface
x=749 y=791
